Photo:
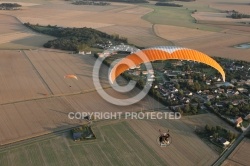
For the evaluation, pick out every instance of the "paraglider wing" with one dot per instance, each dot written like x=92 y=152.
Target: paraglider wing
x=71 y=76
x=163 y=53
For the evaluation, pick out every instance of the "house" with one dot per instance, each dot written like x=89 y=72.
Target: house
x=236 y=102
x=226 y=84
x=133 y=67
x=208 y=82
x=218 y=79
x=247 y=117
x=150 y=79
x=223 y=141
x=242 y=90
x=190 y=81
x=238 y=121
x=247 y=82
x=199 y=91
x=151 y=71
x=236 y=93
x=81 y=52
x=239 y=67
x=241 y=82
x=174 y=90
x=221 y=90
x=189 y=93
x=136 y=73
x=220 y=104
x=187 y=100
x=209 y=97
x=233 y=81
x=77 y=136
x=206 y=92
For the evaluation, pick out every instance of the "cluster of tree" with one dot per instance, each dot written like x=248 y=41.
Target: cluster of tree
x=234 y=111
x=173 y=0
x=87 y=2
x=9 y=5
x=86 y=133
x=218 y=131
x=74 y=39
x=189 y=109
x=129 y=1
x=237 y=15
x=167 y=4
x=185 y=0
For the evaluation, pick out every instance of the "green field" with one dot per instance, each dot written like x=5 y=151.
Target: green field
x=177 y=16
x=116 y=144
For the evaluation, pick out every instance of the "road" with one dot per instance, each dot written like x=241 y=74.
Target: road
x=231 y=148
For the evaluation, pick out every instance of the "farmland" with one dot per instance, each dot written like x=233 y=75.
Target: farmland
x=35 y=98
x=115 y=144
x=186 y=148
x=240 y=156
x=14 y=35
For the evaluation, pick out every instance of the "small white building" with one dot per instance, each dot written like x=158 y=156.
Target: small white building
x=81 y=52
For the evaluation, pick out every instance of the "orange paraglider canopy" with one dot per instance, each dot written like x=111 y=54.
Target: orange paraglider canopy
x=71 y=76
x=163 y=53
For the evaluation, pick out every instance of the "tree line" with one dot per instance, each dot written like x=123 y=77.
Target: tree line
x=74 y=39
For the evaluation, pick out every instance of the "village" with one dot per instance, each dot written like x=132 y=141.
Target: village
x=191 y=88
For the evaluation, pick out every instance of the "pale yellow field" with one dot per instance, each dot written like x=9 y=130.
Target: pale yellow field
x=212 y=43
x=209 y=16
x=241 y=6
x=36 y=99
x=14 y=35
x=139 y=36
x=176 y=34
x=19 y=80
x=240 y=156
x=69 y=15
x=221 y=44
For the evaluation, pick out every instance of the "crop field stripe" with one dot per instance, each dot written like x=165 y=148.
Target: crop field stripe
x=62 y=150
x=37 y=60
x=119 y=150
x=129 y=147
x=4 y=159
x=18 y=157
x=124 y=129
x=104 y=154
x=54 y=74
x=94 y=154
x=81 y=154
x=57 y=75
x=50 y=155
x=38 y=73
